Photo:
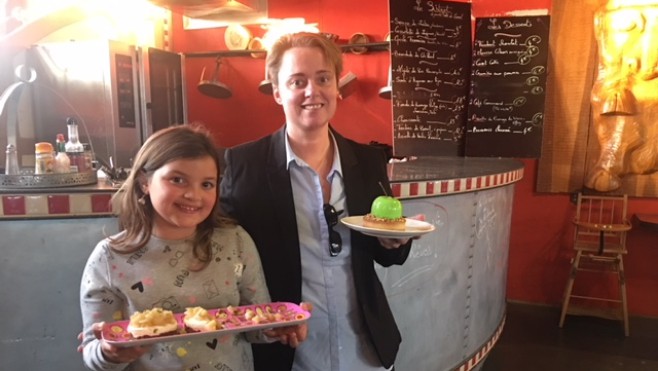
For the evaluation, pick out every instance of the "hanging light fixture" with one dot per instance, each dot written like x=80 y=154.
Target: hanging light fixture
x=213 y=87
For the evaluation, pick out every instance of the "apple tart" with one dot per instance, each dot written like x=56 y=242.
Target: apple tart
x=385 y=213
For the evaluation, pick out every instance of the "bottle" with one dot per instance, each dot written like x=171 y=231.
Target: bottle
x=44 y=161
x=62 y=160
x=89 y=157
x=74 y=148
x=11 y=161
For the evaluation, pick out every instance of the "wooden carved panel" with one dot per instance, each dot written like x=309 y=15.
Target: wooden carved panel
x=602 y=106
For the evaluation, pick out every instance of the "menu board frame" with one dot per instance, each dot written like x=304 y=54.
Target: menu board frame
x=430 y=59
x=508 y=87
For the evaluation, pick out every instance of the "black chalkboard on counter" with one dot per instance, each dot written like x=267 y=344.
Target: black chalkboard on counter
x=508 y=84
x=430 y=60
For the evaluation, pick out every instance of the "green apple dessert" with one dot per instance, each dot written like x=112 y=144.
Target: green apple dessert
x=385 y=213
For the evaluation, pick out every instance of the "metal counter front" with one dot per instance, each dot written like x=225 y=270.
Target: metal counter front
x=449 y=297
x=47 y=235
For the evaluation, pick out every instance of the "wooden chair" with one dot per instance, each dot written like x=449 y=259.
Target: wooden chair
x=601 y=225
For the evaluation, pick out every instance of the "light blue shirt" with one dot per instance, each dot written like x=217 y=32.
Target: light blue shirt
x=337 y=339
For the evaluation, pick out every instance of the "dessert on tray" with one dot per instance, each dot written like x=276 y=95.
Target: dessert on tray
x=152 y=322
x=158 y=325
x=198 y=319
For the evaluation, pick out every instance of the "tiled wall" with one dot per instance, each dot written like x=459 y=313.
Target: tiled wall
x=54 y=205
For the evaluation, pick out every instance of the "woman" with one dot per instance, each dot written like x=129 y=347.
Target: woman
x=289 y=189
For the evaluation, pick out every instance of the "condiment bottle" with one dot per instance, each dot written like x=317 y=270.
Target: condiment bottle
x=44 y=162
x=62 y=160
x=11 y=161
x=74 y=148
x=89 y=156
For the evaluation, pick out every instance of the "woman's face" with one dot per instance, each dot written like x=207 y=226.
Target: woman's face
x=183 y=194
x=307 y=88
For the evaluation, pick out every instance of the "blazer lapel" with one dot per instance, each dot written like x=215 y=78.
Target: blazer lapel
x=279 y=183
x=280 y=189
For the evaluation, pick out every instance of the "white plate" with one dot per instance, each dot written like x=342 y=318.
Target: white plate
x=413 y=228
x=237 y=37
x=116 y=333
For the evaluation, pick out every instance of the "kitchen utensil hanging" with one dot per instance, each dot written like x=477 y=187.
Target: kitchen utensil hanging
x=358 y=38
x=347 y=85
x=213 y=87
x=265 y=86
x=385 y=92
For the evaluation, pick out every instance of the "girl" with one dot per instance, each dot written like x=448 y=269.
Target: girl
x=174 y=251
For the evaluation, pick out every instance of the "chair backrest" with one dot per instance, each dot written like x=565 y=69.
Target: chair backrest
x=601 y=217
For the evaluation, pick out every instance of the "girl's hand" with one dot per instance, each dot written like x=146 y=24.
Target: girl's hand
x=113 y=353
x=291 y=335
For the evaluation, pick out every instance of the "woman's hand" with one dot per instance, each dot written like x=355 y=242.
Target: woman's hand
x=291 y=335
x=395 y=243
x=113 y=353
x=392 y=243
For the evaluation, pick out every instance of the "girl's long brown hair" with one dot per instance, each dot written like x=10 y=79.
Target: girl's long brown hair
x=136 y=219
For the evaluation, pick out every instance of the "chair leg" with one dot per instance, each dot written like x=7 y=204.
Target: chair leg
x=569 y=287
x=622 y=290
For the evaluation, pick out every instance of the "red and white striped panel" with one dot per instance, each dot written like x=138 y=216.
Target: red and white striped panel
x=56 y=205
x=481 y=354
x=404 y=190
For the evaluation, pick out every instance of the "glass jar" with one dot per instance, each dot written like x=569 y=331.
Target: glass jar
x=44 y=162
x=88 y=157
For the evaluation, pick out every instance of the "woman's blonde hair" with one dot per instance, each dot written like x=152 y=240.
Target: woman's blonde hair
x=329 y=49
x=133 y=207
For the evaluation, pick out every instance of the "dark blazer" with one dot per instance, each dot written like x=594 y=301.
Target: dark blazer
x=256 y=190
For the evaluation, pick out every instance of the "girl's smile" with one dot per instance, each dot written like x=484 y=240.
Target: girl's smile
x=183 y=194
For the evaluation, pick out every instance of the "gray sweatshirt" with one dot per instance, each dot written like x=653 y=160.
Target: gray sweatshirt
x=116 y=285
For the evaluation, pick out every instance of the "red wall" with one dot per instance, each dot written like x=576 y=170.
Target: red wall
x=250 y=114
x=540 y=250
x=540 y=246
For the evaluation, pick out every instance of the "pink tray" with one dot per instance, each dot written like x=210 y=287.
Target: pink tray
x=232 y=321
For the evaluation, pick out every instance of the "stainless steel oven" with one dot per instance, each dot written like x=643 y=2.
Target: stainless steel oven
x=118 y=93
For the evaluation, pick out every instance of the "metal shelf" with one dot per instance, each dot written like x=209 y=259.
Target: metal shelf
x=27 y=179
x=377 y=46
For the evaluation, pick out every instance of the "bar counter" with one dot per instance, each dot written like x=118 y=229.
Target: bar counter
x=448 y=298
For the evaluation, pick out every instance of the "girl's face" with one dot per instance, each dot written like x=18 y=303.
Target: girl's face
x=307 y=88
x=183 y=194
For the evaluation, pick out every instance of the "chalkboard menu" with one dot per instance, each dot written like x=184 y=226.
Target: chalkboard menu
x=508 y=82
x=430 y=59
